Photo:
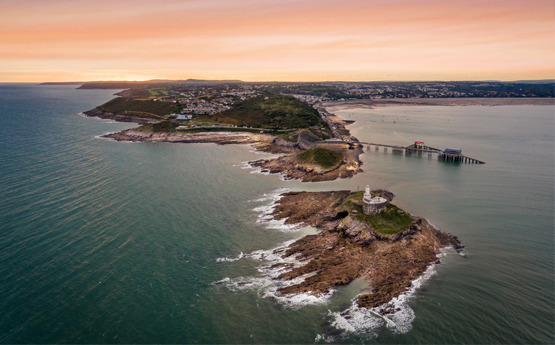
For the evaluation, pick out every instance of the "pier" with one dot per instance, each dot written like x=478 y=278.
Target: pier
x=447 y=155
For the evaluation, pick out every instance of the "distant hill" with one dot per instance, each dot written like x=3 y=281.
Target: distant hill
x=151 y=83
x=63 y=83
x=272 y=111
x=542 y=81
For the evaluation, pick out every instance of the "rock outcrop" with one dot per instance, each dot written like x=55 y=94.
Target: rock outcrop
x=348 y=248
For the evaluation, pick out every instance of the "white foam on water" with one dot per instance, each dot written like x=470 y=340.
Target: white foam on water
x=230 y=259
x=268 y=284
x=243 y=165
x=367 y=322
x=259 y=170
x=266 y=218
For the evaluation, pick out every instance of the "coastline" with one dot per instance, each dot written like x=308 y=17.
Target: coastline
x=288 y=166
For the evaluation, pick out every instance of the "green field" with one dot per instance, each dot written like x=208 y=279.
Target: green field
x=158 y=91
x=271 y=111
x=130 y=106
x=320 y=156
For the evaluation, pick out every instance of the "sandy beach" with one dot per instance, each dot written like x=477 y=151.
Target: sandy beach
x=374 y=103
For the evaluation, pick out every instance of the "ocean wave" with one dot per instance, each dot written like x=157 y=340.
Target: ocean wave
x=259 y=170
x=366 y=322
x=268 y=284
x=266 y=211
x=243 y=165
x=231 y=259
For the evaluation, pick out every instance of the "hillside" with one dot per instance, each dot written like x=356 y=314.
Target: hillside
x=133 y=107
x=272 y=111
x=320 y=156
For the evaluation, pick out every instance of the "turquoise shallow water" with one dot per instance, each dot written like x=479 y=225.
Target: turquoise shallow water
x=107 y=242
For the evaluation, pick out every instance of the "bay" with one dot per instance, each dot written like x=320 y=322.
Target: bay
x=111 y=242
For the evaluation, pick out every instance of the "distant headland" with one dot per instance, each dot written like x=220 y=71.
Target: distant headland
x=289 y=118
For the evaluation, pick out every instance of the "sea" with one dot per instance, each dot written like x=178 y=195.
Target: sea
x=116 y=242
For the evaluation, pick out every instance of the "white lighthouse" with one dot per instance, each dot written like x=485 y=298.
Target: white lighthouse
x=372 y=205
x=367 y=194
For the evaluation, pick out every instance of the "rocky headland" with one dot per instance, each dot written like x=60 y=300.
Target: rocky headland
x=289 y=166
x=293 y=168
x=391 y=249
x=262 y=142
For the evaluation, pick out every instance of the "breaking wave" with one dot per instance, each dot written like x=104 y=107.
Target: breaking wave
x=266 y=218
x=366 y=323
x=268 y=284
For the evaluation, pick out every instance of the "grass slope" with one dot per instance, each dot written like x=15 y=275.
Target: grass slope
x=320 y=156
x=388 y=222
x=130 y=106
x=272 y=111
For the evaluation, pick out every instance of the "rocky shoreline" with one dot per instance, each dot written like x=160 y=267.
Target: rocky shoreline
x=119 y=118
x=347 y=248
x=285 y=165
x=291 y=169
x=261 y=142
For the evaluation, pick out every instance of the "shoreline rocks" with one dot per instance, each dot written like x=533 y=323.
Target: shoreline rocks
x=347 y=248
x=291 y=169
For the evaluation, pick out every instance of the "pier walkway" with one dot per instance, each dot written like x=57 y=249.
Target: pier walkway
x=419 y=147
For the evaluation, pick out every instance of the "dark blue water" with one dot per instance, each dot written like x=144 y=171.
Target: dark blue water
x=108 y=242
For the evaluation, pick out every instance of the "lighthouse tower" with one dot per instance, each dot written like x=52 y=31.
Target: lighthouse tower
x=372 y=206
x=367 y=194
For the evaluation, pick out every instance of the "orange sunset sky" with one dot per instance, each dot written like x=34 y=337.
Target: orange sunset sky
x=282 y=40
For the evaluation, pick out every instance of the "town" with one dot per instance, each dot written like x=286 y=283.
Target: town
x=209 y=98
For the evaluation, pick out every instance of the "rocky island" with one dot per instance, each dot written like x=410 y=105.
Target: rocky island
x=390 y=248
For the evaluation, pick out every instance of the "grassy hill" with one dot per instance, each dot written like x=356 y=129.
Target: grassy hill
x=130 y=106
x=320 y=156
x=272 y=111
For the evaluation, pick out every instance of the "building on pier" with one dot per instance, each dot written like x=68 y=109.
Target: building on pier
x=449 y=151
x=372 y=206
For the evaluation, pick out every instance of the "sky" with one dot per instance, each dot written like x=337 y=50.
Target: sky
x=279 y=40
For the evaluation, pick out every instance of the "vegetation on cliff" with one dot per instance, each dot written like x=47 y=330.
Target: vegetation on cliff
x=139 y=108
x=390 y=221
x=320 y=156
